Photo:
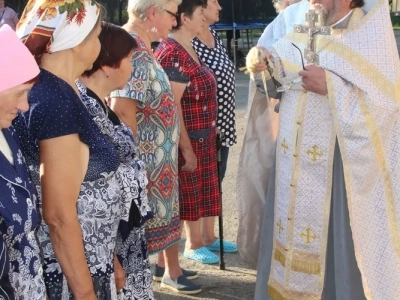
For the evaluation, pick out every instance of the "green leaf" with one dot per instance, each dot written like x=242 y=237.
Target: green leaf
x=79 y=5
x=62 y=9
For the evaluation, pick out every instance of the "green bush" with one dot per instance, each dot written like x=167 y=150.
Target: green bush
x=396 y=22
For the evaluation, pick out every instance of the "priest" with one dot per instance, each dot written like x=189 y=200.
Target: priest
x=331 y=226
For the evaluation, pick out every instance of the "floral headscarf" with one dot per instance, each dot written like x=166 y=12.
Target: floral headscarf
x=48 y=26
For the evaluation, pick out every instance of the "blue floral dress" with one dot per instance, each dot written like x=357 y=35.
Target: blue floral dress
x=6 y=291
x=18 y=223
x=55 y=111
x=131 y=242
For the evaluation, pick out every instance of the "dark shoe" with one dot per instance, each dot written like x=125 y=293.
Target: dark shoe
x=182 y=285
x=159 y=273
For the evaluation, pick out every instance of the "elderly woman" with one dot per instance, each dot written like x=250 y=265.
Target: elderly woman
x=21 y=274
x=146 y=104
x=210 y=49
x=72 y=164
x=111 y=71
x=198 y=176
x=7 y=15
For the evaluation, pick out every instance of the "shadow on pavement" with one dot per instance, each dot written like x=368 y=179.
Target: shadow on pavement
x=216 y=288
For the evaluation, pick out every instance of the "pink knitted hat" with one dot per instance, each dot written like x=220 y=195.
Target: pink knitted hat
x=17 y=64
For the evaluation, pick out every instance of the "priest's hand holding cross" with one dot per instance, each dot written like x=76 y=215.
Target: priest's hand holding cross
x=314 y=79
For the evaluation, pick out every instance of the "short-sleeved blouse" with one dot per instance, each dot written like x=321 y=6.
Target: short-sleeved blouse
x=131 y=174
x=55 y=111
x=199 y=104
x=158 y=137
x=218 y=61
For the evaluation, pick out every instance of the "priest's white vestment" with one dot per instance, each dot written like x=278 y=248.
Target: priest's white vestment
x=337 y=170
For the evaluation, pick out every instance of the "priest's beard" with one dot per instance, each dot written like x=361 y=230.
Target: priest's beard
x=327 y=16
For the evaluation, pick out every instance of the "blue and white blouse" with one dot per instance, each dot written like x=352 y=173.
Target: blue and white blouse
x=55 y=110
x=131 y=242
x=6 y=290
x=18 y=222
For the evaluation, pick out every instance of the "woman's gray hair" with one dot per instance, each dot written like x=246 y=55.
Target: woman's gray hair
x=282 y=4
x=139 y=7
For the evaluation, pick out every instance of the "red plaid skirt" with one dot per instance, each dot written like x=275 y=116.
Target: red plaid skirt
x=199 y=194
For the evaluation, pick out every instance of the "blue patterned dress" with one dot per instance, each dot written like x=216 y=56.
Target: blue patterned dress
x=55 y=111
x=158 y=138
x=18 y=223
x=6 y=290
x=131 y=242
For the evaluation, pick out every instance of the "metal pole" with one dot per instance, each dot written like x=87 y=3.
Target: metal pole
x=220 y=218
x=396 y=8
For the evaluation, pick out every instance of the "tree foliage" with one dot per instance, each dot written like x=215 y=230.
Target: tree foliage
x=111 y=7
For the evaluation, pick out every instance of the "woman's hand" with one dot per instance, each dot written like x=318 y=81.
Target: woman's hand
x=256 y=59
x=190 y=160
x=184 y=141
x=92 y=296
x=119 y=274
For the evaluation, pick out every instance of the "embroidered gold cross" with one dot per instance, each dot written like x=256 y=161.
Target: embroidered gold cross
x=308 y=236
x=314 y=153
x=280 y=227
x=284 y=146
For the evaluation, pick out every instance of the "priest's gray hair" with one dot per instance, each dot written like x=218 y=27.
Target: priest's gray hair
x=139 y=8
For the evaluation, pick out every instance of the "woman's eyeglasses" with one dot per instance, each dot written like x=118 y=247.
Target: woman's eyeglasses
x=175 y=15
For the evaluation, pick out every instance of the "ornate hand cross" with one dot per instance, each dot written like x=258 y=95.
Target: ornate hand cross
x=312 y=18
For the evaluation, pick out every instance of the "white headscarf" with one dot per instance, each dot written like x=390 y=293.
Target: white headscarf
x=48 y=26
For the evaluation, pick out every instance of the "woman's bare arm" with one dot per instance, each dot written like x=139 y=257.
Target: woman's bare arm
x=184 y=141
x=126 y=109
x=63 y=164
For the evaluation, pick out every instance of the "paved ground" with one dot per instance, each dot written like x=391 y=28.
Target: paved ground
x=238 y=280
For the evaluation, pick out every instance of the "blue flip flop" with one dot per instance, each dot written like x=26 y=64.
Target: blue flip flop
x=229 y=247
x=202 y=255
